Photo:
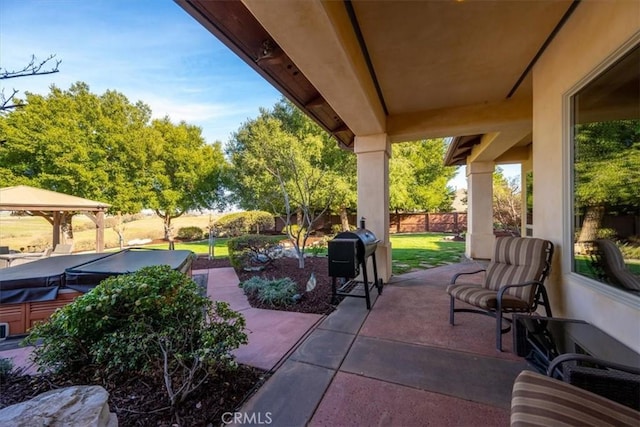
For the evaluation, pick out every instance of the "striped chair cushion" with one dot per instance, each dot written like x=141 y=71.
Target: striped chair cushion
x=517 y=260
x=484 y=298
x=538 y=400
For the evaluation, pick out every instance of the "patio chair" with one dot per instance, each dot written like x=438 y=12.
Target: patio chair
x=538 y=400
x=513 y=282
x=608 y=262
x=62 y=250
x=44 y=254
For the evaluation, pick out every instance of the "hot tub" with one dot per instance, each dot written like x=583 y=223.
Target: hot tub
x=32 y=292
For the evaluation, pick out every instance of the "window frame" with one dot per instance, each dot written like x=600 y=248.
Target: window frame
x=568 y=176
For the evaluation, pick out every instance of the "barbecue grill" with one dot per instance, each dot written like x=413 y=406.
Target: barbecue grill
x=349 y=252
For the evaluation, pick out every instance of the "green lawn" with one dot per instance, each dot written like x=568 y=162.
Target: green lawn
x=200 y=247
x=583 y=266
x=410 y=251
x=423 y=250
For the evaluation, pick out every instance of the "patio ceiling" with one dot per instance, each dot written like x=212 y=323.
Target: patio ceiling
x=412 y=69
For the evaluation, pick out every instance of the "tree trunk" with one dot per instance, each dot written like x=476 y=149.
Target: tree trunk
x=591 y=224
x=299 y=218
x=119 y=229
x=168 y=231
x=66 y=228
x=397 y=221
x=344 y=218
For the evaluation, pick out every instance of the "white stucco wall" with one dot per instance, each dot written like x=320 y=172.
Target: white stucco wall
x=591 y=38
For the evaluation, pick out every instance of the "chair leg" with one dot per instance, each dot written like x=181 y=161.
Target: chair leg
x=499 y=324
x=547 y=306
x=499 y=331
x=451 y=310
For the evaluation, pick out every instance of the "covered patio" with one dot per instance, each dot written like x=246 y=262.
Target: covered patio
x=499 y=77
x=56 y=208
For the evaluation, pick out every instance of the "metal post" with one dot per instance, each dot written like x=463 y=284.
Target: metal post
x=212 y=243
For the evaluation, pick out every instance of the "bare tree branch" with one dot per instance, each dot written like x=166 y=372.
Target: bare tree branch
x=33 y=68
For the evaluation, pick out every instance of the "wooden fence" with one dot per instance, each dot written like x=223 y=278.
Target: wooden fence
x=443 y=222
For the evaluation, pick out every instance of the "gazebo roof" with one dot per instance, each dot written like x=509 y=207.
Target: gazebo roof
x=25 y=198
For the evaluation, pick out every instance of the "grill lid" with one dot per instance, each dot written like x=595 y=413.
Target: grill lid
x=365 y=236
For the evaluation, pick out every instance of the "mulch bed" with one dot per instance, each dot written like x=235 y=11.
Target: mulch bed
x=317 y=301
x=139 y=400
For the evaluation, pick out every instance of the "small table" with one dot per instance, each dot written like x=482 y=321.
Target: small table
x=541 y=339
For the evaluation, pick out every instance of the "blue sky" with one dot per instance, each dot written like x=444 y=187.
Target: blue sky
x=149 y=50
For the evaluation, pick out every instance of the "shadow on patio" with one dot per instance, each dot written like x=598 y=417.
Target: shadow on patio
x=399 y=364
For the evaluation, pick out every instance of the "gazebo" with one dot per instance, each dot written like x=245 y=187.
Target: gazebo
x=54 y=207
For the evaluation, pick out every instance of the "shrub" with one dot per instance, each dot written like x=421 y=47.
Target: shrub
x=154 y=320
x=606 y=233
x=629 y=251
x=190 y=233
x=238 y=223
x=275 y=292
x=6 y=368
x=252 y=250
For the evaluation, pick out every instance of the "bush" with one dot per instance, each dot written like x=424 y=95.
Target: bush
x=252 y=250
x=606 y=233
x=238 y=223
x=629 y=251
x=154 y=320
x=6 y=368
x=275 y=292
x=190 y=233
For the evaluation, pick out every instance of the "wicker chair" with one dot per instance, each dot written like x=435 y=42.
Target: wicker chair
x=514 y=282
x=617 y=382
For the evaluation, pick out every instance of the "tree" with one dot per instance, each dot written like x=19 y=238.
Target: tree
x=282 y=172
x=77 y=143
x=252 y=190
x=186 y=173
x=102 y=147
x=607 y=171
x=341 y=162
x=33 y=68
x=418 y=179
x=507 y=202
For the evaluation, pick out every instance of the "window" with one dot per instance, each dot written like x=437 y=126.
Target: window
x=606 y=176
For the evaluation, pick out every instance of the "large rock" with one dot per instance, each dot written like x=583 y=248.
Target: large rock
x=78 y=406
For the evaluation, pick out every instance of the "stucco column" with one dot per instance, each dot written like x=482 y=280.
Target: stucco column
x=373 y=152
x=480 y=236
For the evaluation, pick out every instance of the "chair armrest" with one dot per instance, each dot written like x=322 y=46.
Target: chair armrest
x=567 y=357
x=455 y=276
x=504 y=288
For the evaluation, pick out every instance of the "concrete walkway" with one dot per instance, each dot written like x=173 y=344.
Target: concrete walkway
x=272 y=333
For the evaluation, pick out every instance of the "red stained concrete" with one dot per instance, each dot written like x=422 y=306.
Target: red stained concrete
x=352 y=400
x=420 y=315
x=272 y=334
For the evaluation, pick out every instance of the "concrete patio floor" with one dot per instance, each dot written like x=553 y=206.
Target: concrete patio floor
x=398 y=364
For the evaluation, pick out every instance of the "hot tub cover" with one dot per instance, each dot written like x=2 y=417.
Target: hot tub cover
x=42 y=279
